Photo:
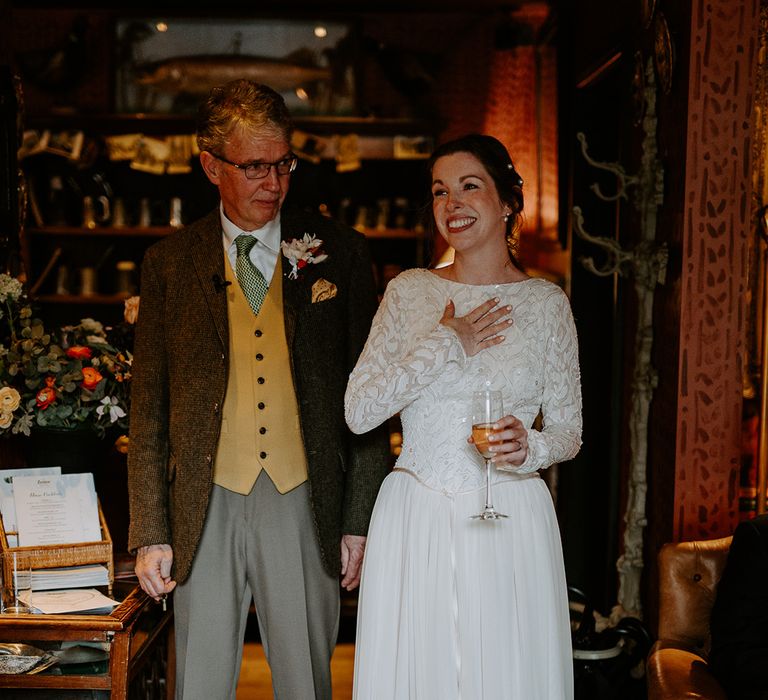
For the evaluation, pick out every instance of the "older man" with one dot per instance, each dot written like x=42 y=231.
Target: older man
x=244 y=480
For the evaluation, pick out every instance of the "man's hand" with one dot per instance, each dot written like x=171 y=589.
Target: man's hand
x=352 y=549
x=153 y=567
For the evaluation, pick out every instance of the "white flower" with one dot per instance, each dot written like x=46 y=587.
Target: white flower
x=89 y=324
x=302 y=252
x=110 y=404
x=10 y=288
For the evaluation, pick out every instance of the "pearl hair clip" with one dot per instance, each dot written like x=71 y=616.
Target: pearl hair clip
x=519 y=180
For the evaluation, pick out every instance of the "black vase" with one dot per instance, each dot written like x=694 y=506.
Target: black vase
x=75 y=450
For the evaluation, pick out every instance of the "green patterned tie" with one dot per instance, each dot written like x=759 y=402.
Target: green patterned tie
x=248 y=275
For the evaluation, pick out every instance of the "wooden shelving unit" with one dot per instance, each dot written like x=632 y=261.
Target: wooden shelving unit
x=102 y=231
x=51 y=251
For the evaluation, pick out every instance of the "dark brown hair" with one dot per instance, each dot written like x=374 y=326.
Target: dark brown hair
x=495 y=159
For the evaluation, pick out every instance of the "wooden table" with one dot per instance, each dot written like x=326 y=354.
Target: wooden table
x=138 y=632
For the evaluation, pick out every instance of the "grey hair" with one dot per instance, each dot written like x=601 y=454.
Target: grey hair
x=241 y=104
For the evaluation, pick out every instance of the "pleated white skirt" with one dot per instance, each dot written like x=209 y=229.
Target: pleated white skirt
x=457 y=609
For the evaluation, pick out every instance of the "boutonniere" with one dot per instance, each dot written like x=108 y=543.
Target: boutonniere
x=302 y=252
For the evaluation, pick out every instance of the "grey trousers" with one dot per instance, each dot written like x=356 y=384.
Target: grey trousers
x=261 y=546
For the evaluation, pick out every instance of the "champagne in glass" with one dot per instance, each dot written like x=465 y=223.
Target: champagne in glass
x=480 y=434
x=487 y=408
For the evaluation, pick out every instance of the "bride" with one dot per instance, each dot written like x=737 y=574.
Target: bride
x=453 y=607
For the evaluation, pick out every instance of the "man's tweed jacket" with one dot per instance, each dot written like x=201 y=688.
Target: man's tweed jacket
x=180 y=377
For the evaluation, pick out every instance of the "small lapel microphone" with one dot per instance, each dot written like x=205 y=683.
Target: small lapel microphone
x=219 y=284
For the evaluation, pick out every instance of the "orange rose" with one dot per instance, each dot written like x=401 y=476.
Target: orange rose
x=91 y=378
x=121 y=444
x=45 y=397
x=79 y=352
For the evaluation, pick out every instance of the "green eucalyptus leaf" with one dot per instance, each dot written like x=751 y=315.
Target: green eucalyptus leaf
x=32 y=383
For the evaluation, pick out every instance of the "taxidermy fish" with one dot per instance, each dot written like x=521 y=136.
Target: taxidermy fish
x=196 y=75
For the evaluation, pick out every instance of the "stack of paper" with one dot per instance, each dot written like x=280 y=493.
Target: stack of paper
x=84 y=600
x=70 y=577
x=42 y=506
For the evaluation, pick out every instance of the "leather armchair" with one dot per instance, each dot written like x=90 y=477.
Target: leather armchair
x=677 y=663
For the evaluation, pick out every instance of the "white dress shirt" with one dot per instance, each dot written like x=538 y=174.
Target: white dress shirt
x=264 y=254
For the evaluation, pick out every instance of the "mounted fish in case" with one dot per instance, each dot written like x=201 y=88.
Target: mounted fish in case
x=161 y=71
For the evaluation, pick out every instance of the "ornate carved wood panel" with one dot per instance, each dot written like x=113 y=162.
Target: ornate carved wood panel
x=716 y=226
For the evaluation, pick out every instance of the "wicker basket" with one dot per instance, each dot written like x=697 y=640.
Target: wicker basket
x=55 y=555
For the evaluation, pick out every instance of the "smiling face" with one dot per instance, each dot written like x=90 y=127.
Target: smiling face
x=249 y=204
x=465 y=203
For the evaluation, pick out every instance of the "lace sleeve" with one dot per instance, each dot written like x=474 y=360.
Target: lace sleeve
x=397 y=362
x=560 y=438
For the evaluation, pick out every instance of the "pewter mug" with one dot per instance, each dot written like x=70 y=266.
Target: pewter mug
x=96 y=210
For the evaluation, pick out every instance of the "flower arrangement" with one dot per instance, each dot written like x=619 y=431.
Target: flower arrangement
x=73 y=378
x=302 y=252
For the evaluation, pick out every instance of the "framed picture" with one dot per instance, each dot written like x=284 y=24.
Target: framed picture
x=168 y=65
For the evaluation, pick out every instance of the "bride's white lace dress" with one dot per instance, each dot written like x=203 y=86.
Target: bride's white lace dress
x=451 y=607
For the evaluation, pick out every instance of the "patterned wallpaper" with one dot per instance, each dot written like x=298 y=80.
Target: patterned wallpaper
x=716 y=227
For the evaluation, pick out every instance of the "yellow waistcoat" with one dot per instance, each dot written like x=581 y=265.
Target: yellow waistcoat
x=260 y=422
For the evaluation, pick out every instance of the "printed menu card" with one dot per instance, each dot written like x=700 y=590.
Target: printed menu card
x=7 y=505
x=56 y=509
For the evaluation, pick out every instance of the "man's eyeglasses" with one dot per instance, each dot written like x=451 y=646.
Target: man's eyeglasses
x=256 y=170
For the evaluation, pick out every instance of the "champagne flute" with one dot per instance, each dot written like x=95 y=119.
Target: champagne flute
x=487 y=408
x=16 y=576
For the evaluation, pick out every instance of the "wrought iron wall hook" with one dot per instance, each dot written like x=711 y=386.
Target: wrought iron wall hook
x=623 y=180
x=616 y=256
